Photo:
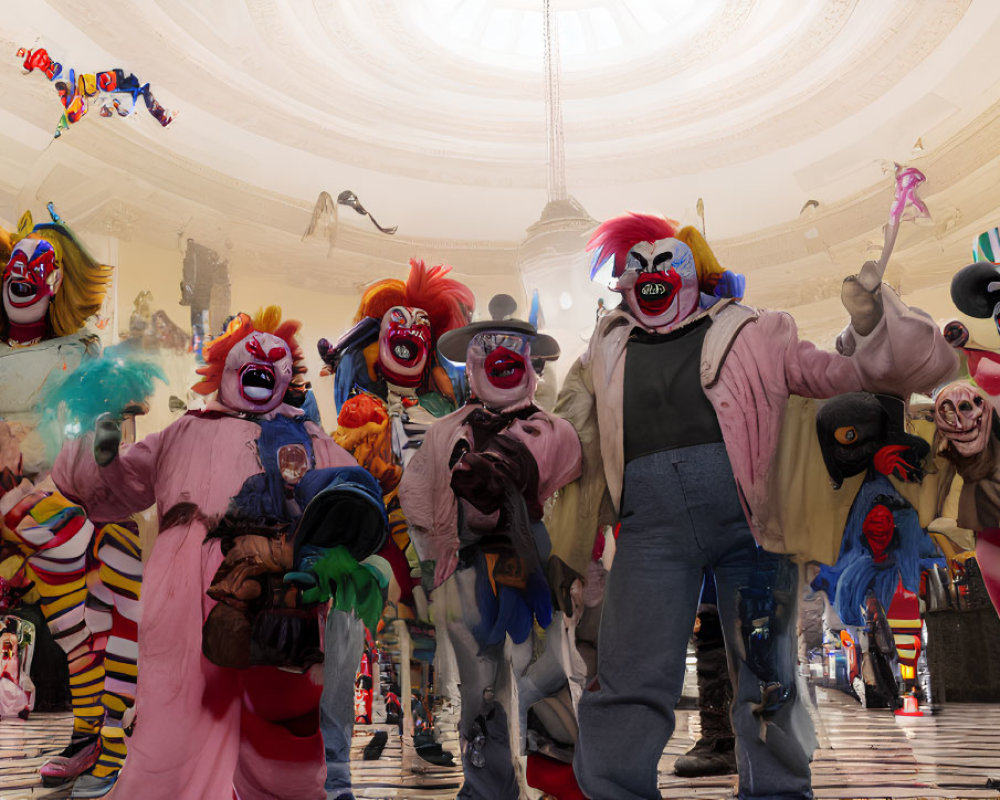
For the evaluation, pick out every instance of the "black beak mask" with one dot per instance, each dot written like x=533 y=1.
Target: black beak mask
x=860 y=431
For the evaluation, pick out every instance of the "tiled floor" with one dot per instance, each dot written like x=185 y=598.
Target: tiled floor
x=863 y=754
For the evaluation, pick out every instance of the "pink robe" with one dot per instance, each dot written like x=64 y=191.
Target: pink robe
x=201 y=730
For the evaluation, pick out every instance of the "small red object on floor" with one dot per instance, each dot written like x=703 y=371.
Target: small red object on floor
x=910 y=707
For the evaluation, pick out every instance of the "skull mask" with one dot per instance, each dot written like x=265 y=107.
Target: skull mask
x=404 y=345
x=964 y=417
x=660 y=283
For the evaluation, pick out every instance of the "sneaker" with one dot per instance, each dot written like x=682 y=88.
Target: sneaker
x=707 y=757
x=89 y=785
x=77 y=758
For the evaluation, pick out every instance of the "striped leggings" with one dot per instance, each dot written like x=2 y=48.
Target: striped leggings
x=89 y=581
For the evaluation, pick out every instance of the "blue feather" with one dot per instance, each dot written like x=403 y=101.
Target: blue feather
x=72 y=401
x=536 y=308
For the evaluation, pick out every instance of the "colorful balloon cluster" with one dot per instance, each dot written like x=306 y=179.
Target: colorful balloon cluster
x=76 y=91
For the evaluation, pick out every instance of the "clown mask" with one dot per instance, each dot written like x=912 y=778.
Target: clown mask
x=878 y=529
x=964 y=417
x=499 y=370
x=404 y=345
x=660 y=283
x=257 y=372
x=30 y=281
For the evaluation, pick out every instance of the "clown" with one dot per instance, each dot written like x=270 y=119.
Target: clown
x=388 y=389
x=969 y=439
x=975 y=290
x=473 y=498
x=884 y=550
x=206 y=730
x=89 y=578
x=50 y=286
x=682 y=392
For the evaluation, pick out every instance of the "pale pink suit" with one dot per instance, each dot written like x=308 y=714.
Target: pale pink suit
x=201 y=730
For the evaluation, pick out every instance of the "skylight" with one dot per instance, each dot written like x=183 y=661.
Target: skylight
x=507 y=34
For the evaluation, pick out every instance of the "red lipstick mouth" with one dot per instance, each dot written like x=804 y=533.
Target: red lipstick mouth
x=406 y=348
x=504 y=369
x=21 y=294
x=655 y=291
x=257 y=382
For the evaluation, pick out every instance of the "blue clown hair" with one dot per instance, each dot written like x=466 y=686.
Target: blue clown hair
x=856 y=572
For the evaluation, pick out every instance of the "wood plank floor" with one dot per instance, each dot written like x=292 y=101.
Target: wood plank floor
x=863 y=754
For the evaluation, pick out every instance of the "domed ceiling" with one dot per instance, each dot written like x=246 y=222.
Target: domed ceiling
x=433 y=111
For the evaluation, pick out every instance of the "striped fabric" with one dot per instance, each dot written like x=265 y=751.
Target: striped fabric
x=904 y=620
x=986 y=247
x=89 y=582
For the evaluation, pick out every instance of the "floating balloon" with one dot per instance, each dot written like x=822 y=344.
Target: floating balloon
x=77 y=92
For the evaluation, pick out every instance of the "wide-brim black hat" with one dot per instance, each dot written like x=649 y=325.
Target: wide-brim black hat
x=454 y=344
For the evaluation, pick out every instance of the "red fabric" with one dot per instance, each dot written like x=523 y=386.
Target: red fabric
x=400 y=570
x=988 y=556
x=553 y=777
x=598 y=551
x=877 y=528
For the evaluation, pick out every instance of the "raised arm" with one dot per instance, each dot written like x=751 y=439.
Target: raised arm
x=113 y=492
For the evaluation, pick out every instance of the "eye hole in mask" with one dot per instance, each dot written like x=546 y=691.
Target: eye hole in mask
x=493 y=341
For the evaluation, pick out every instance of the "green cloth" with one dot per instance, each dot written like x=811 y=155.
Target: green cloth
x=353 y=586
x=436 y=404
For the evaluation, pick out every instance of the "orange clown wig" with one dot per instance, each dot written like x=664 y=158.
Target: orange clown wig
x=266 y=320
x=448 y=303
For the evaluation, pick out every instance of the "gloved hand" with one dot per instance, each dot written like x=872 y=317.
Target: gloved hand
x=861 y=295
x=107 y=438
x=726 y=284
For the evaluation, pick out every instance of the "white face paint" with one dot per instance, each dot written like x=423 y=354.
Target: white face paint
x=498 y=366
x=660 y=283
x=30 y=281
x=404 y=345
x=256 y=375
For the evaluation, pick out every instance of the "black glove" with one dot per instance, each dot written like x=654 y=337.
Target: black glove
x=107 y=438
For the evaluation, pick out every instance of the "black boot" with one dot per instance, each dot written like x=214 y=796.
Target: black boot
x=714 y=752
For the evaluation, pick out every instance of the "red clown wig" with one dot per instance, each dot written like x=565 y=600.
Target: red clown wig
x=614 y=238
x=266 y=320
x=448 y=303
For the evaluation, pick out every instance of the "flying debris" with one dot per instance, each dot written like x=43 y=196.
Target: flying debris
x=324 y=216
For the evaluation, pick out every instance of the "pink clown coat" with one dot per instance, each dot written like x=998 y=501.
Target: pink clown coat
x=425 y=491
x=752 y=361
x=201 y=730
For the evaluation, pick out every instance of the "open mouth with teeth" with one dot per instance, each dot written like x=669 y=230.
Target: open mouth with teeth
x=21 y=293
x=655 y=291
x=257 y=382
x=406 y=348
x=504 y=369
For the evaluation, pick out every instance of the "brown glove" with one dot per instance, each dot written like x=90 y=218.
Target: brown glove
x=250 y=557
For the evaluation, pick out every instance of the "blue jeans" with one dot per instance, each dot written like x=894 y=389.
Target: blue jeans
x=680 y=515
x=344 y=642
